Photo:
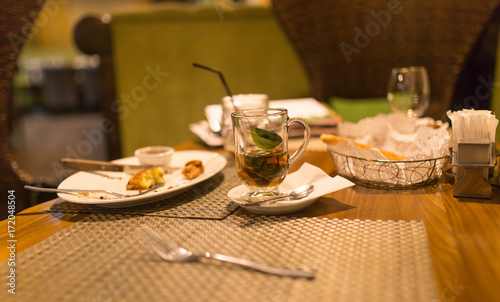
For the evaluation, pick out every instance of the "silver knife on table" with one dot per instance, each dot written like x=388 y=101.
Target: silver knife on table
x=96 y=165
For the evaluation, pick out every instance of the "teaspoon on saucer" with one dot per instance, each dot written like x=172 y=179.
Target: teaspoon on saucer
x=299 y=193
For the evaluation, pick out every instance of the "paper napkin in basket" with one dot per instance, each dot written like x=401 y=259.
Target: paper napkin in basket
x=309 y=174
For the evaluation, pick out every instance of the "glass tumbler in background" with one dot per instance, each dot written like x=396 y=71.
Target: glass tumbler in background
x=241 y=101
x=408 y=91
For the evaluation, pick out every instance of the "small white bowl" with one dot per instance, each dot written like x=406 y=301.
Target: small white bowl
x=158 y=156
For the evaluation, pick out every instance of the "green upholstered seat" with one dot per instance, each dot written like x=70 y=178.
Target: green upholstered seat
x=352 y=110
x=159 y=91
x=495 y=96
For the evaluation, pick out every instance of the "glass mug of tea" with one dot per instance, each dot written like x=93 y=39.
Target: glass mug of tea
x=261 y=149
x=238 y=102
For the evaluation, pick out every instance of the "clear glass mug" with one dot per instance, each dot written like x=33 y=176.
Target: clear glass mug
x=261 y=149
x=408 y=91
x=241 y=101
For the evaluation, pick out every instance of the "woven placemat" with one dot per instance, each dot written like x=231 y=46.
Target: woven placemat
x=99 y=259
x=207 y=199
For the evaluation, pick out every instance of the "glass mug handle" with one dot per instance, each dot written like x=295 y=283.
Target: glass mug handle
x=307 y=135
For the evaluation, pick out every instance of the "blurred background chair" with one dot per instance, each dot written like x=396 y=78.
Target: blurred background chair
x=349 y=48
x=92 y=35
x=16 y=22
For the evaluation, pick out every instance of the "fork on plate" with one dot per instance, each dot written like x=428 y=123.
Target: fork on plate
x=73 y=191
x=169 y=252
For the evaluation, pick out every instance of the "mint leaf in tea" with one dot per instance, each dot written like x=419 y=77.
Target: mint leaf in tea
x=262 y=168
x=266 y=139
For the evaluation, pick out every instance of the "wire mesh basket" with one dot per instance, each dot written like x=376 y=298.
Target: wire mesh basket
x=389 y=174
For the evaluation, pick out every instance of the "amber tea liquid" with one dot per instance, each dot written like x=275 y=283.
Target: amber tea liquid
x=262 y=169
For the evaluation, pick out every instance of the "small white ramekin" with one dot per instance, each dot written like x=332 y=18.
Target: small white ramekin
x=158 y=156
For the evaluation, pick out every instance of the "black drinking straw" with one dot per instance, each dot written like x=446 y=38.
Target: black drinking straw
x=221 y=77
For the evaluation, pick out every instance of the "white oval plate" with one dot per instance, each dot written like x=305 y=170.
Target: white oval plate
x=280 y=207
x=175 y=182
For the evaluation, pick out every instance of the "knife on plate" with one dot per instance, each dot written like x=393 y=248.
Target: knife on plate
x=97 y=165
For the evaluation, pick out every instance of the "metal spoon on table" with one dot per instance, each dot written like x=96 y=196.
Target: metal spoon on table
x=299 y=193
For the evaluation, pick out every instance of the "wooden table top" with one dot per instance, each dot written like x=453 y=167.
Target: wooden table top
x=463 y=233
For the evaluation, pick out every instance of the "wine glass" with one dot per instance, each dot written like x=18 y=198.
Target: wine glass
x=408 y=91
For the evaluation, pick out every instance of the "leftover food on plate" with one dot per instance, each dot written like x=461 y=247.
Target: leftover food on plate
x=333 y=140
x=174 y=183
x=146 y=179
x=193 y=168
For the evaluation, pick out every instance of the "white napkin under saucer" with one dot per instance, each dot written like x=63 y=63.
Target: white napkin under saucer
x=310 y=174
